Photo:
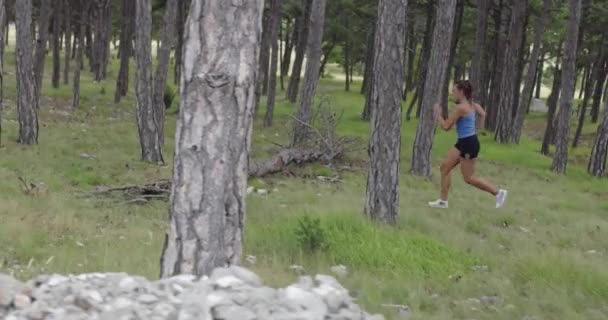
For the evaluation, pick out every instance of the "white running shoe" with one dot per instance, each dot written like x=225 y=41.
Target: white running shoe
x=501 y=197
x=439 y=204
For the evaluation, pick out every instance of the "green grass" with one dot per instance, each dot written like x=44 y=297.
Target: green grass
x=545 y=252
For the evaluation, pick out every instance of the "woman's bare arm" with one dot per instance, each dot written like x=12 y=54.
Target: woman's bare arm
x=481 y=121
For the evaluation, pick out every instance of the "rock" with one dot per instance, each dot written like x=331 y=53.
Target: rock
x=339 y=271
x=262 y=191
x=22 y=301
x=297 y=269
x=482 y=268
x=147 y=299
x=9 y=288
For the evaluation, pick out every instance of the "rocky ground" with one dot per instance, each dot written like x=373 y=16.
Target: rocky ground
x=229 y=294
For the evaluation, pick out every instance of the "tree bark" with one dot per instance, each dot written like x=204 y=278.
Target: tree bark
x=311 y=75
x=126 y=36
x=275 y=12
x=182 y=14
x=57 y=19
x=526 y=96
x=509 y=86
x=368 y=77
x=549 y=136
x=80 y=51
x=539 y=75
x=288 y=50
x=147 y=115
x=162 y=67
x=2 y=47
x=67 y=27
x=382 y=196
x=264 y=59
x=303 y=31
x=40 y=54
x=412 y=45
x=26 y=99
x=423 y=63
x=101 y=42
x=598 y=66
x=599 y=82
x=455 y=39
x=438 y=60
x=501 y=22
x=560 y=159
x=207 y=209
x=599 y=152
x=586 y=72
x=479 y=64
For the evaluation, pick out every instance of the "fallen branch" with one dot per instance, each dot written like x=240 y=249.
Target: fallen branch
x=284 y=158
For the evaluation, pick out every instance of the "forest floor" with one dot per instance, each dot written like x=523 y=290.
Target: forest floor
x=541 y=257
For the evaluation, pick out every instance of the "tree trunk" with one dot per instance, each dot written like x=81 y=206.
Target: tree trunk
x=311 y=75
x=264 y=59
x=599 y=82
x=412 y=44
x=182 y=14
x=382 y=196
x=26 y=99
x=326 y=51
x=598 y=66
x=586 y=72
x=438 y=60
x=509 y=86
x=126 y=35
x=89 y=40
x=2 y=47
x=369 y=64
x=539 y=75
x=40 y=54
x=67 y=26
x=275 y=12
x=207 y=209
x=478 y=64
x=501 y=22
x=526 y=96
x=101 y=44
x=57 y=19
x=453 y=46
x=162 y=67
x=347 y=66
x=549 y=136
x=560 y=159
x=423 y=63
x=288 y=49
x=303 y=31
x=147 y=115
x=82 y=24
x=599 y=153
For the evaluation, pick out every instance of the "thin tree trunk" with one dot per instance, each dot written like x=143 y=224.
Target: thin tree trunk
x=369 y=63
x=599 y=82
x=207 y=209
x=303 y=31
x=26 y=99
x=288 y=49
x=423 y=64
x=438 y=60
x=408 y=115
x=40 y=54
x=382 y=196
x=560 y=159
x=264 y=59
x=453 y=47
x=597 y=69
x=412 y=44
x=182 y=14
x=2 y=47
x=57 y=18
x=501 y=21
x=67 y=26
x=586 y=72
x=275 y=13
x=126 y=34
x=539 y=75
x=509 y=86
x=80 y=51
x=162 y=67
x=347 y=66
x=148 y=127
x=599 y=152
x=549 y=136
x=526 y=96
x=311 y=75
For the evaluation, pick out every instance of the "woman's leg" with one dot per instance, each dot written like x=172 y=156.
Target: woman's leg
x=451 y=161
x=467 y=166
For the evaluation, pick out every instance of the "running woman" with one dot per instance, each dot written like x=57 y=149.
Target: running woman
x=466 y=150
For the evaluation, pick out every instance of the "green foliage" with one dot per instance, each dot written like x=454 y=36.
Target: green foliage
x=169 y=97
x=310 y=234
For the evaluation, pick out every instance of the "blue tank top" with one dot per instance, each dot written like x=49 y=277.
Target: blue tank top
x=466 y=126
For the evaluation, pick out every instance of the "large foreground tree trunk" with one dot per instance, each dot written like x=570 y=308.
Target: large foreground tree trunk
x=303 y=33
x=40 y=54
x=148 y=127
x=26 y=99
x=275 y=22
x=526 y=96
x=479 y=64
x=311 y=75
x=509 y=86
x=382 y=196
x=438 y=60
x=599 y=153
x=560 y=159
x=207 y=209
x=126 y=48
x=162 y=67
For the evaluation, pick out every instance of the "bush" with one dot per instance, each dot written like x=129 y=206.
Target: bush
x=310 y=234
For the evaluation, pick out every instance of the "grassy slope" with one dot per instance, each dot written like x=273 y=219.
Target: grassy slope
x=537 y=249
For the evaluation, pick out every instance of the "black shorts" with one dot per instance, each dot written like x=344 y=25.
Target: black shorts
x=469 y=147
